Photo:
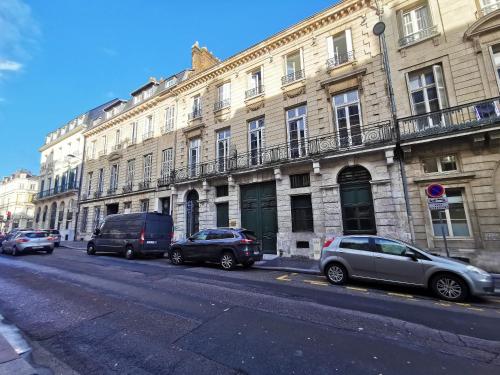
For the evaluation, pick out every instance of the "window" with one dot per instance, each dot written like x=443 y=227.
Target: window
x=104 y=144
x=440 y=164
x=415 y=24
x=356 y=243
x=455 y=219
x=201 y=236
x=293 y=67
x=148 y=129
x=89 y=182
x=255 y=86
x=169 y=118
x=488 y=6
x=302 y=215
x=147 y=167
x=223 y=142
x=166 y=163
x=85 y=215
x=92 y=149
x=137 y=99
x=428 y=94
x=299 y=180
x=389 y=247
x=256 y=140
x=297 y=131
x=134 y=132
x=194 y=156
x=339 y=49
x=221 y=191
x=223 y=96
x=113 y=178
x=196 y=108
x=127 y=207
x=117 y=138
x=97 y=217
x=129 y=178
x=144 y=205
x=347 y=112
x=100 y=181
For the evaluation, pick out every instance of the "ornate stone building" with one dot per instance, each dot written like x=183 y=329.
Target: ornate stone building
x=297 y=138
x=16 y=200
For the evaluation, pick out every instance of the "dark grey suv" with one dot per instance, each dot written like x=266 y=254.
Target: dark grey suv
x=227 y=246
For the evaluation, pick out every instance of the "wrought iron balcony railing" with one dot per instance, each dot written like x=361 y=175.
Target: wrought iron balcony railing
x=196 y=113
x=258 y=90
x=222 y=104
x=487 y=9
x=339 y=59
x=128 y=188
x=466 y=116
x=292 y=77
x=148 y=135
x=69 y=187
x=418 y=35
x=112 y=190
x=370 y=136
x=117 y=147
x=144 y=185
x=98 y=194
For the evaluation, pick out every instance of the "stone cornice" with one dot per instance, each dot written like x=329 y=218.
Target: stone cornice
x=75 y=130
x=305 y=27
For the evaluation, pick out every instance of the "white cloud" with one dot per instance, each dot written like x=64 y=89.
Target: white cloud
x=10 y=65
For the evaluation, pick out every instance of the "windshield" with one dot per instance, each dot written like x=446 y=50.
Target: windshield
x=417 y=247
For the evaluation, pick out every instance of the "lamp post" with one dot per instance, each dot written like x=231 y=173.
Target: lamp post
x=73 y=156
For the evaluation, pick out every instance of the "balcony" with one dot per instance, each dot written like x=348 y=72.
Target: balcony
x=340 y=59
x=144 y=185
x=47 y=167
x=117 y=147
x=292 y=77
x=369 y=137
x=128 y=188
x=98 y=194
x=487 y=9
x=259 y=90
x=418 y=35
x=222 y=104
x=101 y=153
x=476 y=115
x=111 y=191
x=196 y=113
x=166 y=129
x=148 y=135
x=60 y=190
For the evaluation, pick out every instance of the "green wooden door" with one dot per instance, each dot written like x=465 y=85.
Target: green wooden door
x=259 y=213
x=222 y=214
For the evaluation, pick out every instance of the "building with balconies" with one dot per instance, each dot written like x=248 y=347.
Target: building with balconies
x=16 y=200
x=62 y=155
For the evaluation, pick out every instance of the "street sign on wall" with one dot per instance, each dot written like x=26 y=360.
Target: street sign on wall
x=437 y=204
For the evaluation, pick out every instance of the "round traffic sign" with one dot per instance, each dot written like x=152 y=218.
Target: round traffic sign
x=435 y=190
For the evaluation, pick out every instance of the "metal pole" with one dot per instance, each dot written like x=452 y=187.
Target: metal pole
x=440 y=213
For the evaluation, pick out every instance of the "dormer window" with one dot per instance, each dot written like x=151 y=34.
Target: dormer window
x=137 y=99
x=170 y=82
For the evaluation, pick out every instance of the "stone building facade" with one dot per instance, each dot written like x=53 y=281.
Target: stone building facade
x=61 y=160
x=16 y=200
x=297 y=138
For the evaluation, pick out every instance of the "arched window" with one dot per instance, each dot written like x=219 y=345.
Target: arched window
x=44 y=216
x=38 y=213
x=53 y=212
x=192 y=213
x=356 y=200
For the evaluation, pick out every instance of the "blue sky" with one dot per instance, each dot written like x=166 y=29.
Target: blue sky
x=60 y=58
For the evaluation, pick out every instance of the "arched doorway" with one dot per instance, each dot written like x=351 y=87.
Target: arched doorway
x=356 y=200
x=192 y=213
x=44 y=216
x=53 y=213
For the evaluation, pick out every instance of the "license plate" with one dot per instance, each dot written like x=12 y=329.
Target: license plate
x=37 y=247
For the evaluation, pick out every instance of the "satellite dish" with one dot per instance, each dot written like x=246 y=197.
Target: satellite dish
x=379 y=28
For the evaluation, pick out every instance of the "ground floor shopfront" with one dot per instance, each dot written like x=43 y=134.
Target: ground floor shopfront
x=58 y=212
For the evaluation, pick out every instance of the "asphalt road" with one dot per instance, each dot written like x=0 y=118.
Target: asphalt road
x=104 y=314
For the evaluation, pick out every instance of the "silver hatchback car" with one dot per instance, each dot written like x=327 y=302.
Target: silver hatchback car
x=388 y=260
x=28 y=241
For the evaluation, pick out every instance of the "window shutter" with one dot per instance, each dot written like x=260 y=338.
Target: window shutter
x=441 y=90
x=348 y=40
x=400 y=24
x=407 y=78
x=329 y=43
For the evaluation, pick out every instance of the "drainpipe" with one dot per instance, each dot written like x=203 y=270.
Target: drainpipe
x=379 y=29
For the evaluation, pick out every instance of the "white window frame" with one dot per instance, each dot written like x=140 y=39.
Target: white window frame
x=301 y=59
x=333 y=54
x=104 y=144
x=439 y=164
x=100 y=181
x=414 y=20
x=193 y=164
x=117 y=138
x=129 y=180
x=89 y=183
x=303 y=147
x=147 y=168
x=253 y=83
x=496 y=67
x=135 y=128
x=223 y=94
x=166 y=163
x=113 y=177
x=149 y=127
x=93 y=148
x=169 y=118
x=447 y=218
x=488 y=6
x=346 y=106
x=260 y=126
x=223 y=143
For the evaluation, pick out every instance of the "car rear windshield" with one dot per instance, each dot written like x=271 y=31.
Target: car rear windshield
x=35 y=234
x=54 y=231
x=249 y=235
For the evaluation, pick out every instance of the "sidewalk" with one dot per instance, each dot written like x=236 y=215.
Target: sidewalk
x=294 y=264
x=76 y=245
x=13 y=352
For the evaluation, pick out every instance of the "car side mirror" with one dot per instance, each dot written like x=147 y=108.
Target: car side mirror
x=411 y=255
x=97 y=231
x=191 y=239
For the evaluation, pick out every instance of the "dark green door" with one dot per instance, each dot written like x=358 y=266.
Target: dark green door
x=259 y=213
x=222 y=214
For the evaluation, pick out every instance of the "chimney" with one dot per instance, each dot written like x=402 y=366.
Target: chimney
x=201 y=58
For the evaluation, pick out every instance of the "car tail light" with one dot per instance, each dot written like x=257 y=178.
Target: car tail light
x=141 y=238
x=50 y=238
x=246 y=241
x=21 y=240
x=328 y=242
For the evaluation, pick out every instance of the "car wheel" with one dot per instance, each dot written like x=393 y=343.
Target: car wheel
x=336 y=273
x=91 y=249
x=50 y=251
x=227 y=261
x=129 y=253
x=450 y=287
x=248 y=264
x=176 y=257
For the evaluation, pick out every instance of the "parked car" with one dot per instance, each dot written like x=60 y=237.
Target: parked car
x=227 y=246
x=133 y=234
x=392 y=261
x=56 y=236
x=28 y=241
